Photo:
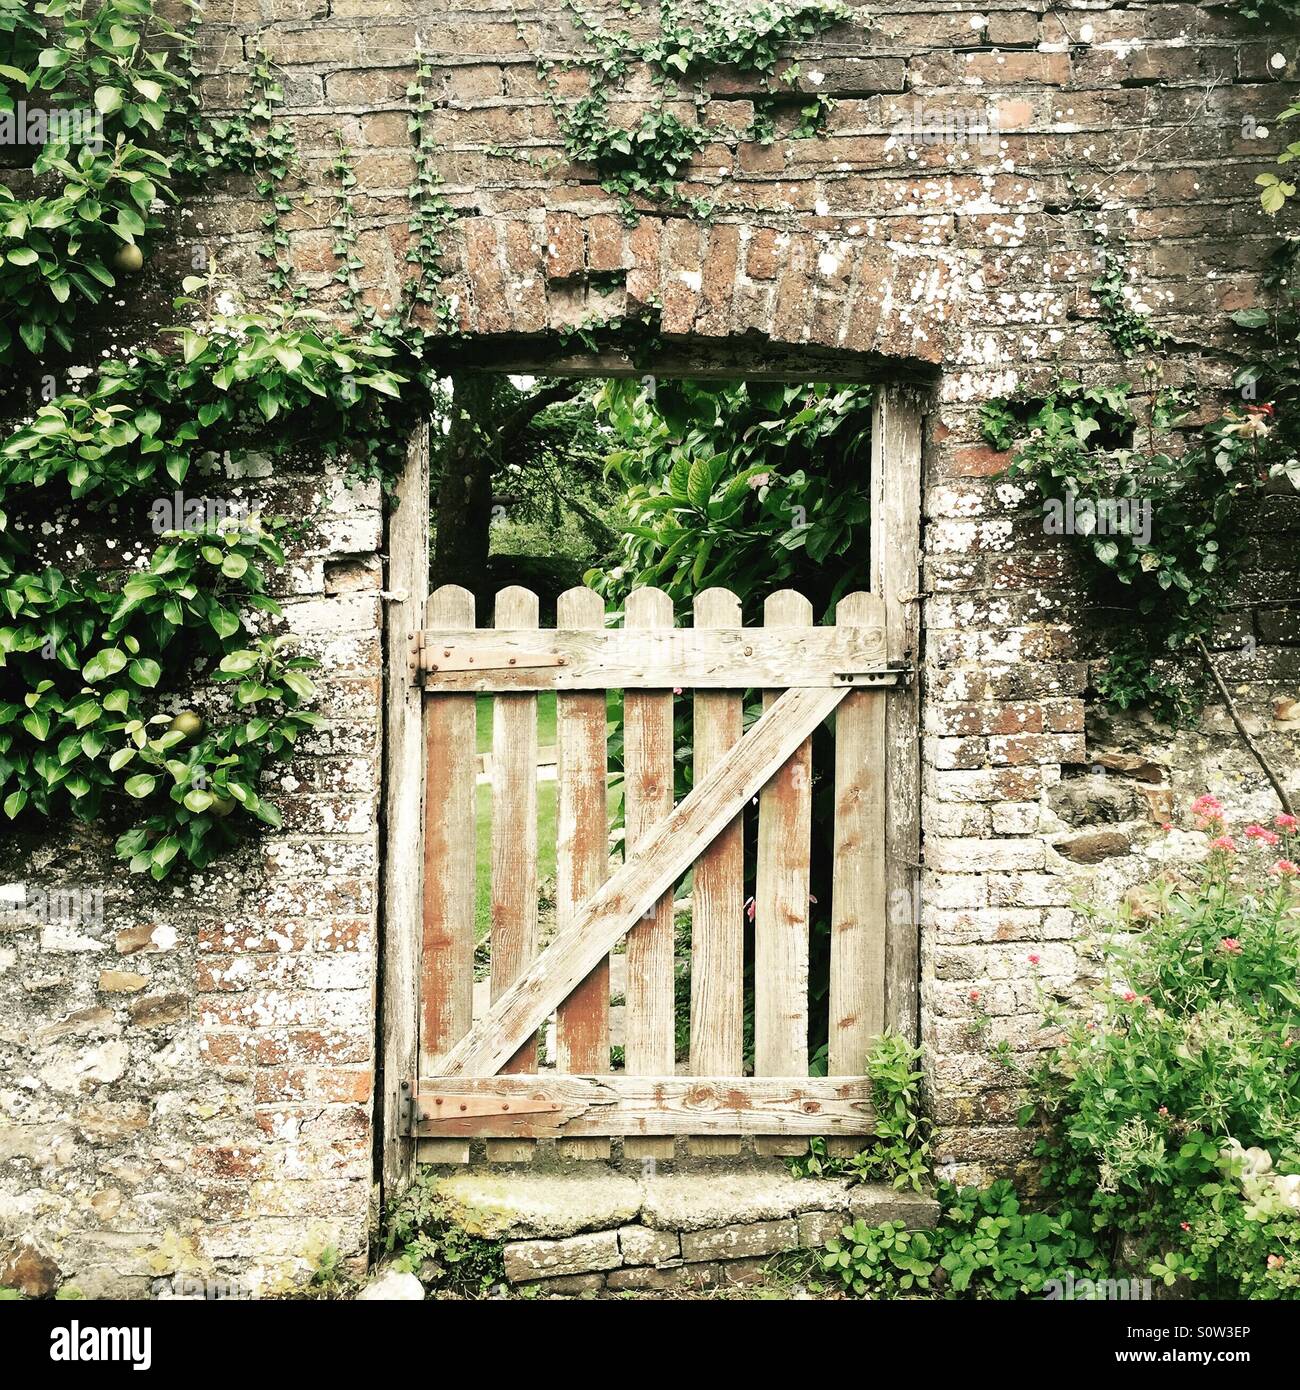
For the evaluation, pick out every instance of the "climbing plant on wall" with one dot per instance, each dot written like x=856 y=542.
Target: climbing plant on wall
x=1156 y=515
x=112 y=80
x=88 y=662
x=644 y=150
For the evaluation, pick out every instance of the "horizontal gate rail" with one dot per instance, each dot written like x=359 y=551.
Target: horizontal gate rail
x=559 y=1106
x=652 y=658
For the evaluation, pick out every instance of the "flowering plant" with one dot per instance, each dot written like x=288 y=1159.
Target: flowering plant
x=1174 y=1102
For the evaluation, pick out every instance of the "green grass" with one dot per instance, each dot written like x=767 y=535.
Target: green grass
x=545 y=846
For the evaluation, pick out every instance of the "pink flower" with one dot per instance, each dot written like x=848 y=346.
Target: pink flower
x=1284 y=868
x=1129 y=996
x=749 y=908
x=1163 y=1112
x=1208 y=806
x=974 y=996
x=760 y=480
x=1167 y=826
x=1033 y=959
x=1257 y=832
x=1230 y=946
x=677 y=690
x=1144 y=999
x=1225 y=843
x=1287 y=823
x=1184 y=1226
x=1276 y=1261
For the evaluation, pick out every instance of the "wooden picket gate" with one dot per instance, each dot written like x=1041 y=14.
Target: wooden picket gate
x=480 y=1078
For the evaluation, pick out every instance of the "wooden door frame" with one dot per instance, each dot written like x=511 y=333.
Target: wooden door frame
x=896 y=497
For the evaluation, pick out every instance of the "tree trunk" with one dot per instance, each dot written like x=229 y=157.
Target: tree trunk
x=463 y=510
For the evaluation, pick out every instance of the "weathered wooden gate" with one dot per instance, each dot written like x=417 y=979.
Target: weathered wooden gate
x=481 y=1077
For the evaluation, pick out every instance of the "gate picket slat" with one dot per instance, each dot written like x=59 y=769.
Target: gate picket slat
x=447 y=955
x=581 y=859
x=781 y=900
x=514 y=845
x=859 y=904
x=718 y=894
x=648 y=784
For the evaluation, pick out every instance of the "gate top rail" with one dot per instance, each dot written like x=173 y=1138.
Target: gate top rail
x=714 y=658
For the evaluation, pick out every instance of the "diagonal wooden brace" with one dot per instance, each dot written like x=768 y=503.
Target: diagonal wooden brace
x=650 y=871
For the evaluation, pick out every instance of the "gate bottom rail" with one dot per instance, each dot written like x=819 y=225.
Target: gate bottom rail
x=572 y=1106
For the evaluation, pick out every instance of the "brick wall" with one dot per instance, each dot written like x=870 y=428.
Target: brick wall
x=967 y=263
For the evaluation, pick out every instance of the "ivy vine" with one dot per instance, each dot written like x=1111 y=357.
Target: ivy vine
x=1156 y=512
x=647 y=158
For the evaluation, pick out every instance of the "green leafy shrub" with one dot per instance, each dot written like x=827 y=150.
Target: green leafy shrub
x=1174 y=1104
x=88 y=663
x=752 y=486
x=61 y=248
x=899 y=1151
x=423 y=1239
x=985 y=1245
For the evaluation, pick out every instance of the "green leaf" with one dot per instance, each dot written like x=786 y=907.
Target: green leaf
x=141 y=785
x=37 y=723
x=105 y=663
x=238 y=663
x=15 y=802
x=145 y=671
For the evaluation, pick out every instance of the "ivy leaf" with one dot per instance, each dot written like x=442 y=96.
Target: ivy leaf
x=15 y=802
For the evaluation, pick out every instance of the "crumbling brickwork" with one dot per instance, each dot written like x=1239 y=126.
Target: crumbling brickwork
x=187 y=1087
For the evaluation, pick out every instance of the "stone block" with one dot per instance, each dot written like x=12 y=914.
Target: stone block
x=538 y=1259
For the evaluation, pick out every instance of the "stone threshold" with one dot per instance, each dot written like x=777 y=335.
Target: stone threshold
x=578 y=1232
